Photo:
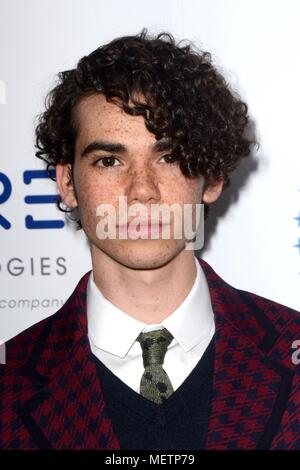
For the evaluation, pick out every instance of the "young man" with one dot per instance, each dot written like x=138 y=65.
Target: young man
x=153 y=350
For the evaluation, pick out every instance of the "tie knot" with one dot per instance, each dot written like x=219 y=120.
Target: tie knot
x=154 y=345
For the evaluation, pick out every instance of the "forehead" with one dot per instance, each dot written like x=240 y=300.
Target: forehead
x=94 y=114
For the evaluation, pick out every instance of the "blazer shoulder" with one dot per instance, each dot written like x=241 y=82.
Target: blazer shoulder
x=276 y=312
x=19 y=347
x=57 y=328
x=245 y=308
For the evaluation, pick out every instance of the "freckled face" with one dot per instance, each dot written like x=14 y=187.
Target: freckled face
x=140 y=172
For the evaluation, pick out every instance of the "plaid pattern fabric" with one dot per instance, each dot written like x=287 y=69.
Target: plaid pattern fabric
x=51 y=396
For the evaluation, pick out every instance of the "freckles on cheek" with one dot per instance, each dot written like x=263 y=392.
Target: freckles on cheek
x=186 y=194
x=85 y=189
x=92 y=195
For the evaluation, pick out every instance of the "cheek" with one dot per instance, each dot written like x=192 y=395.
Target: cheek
x=187 y=193
x=86 y=192
x=91 y=194
x=90 y=190
x=195 y=189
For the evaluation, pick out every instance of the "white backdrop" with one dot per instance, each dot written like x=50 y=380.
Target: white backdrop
x=253 y=236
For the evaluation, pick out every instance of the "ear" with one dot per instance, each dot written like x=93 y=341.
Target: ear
x=64 y=181
x=212 y=190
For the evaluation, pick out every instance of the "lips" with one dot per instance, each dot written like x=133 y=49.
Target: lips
x=145 y=229
x=142 y=224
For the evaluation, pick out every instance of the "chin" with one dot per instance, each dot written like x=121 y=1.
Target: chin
x=139 y=255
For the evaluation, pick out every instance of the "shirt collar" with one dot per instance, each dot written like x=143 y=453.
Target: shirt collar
x=189 y=323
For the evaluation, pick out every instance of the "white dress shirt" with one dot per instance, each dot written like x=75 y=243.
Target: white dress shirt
x=112 y=333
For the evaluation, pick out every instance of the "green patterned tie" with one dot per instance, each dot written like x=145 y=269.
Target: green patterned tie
x=155 y=383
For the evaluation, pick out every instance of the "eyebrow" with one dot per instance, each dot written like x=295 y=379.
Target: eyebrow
x=96 y=145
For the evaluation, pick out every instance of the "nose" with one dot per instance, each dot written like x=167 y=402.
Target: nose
x=143 y=187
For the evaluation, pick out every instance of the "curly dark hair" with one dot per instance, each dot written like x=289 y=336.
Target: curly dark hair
x=185 y=98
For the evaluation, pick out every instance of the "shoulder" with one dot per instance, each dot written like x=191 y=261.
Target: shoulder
x=49 y=336
x=254 y=314
x=276 y=312
x=18 y=349
x=272 y=326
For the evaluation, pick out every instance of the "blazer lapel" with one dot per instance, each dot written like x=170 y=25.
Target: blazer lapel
x=250 y=389
x=67 y=409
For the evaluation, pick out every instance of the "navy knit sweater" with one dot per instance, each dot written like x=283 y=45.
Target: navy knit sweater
x=179 y=423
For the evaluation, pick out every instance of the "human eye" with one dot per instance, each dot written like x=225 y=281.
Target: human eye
x=106 y=162
x=171 y=159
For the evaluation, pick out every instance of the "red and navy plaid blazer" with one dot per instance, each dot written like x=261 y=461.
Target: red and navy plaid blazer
x=51 y=396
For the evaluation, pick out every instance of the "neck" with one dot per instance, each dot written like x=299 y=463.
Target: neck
x=148 y=295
